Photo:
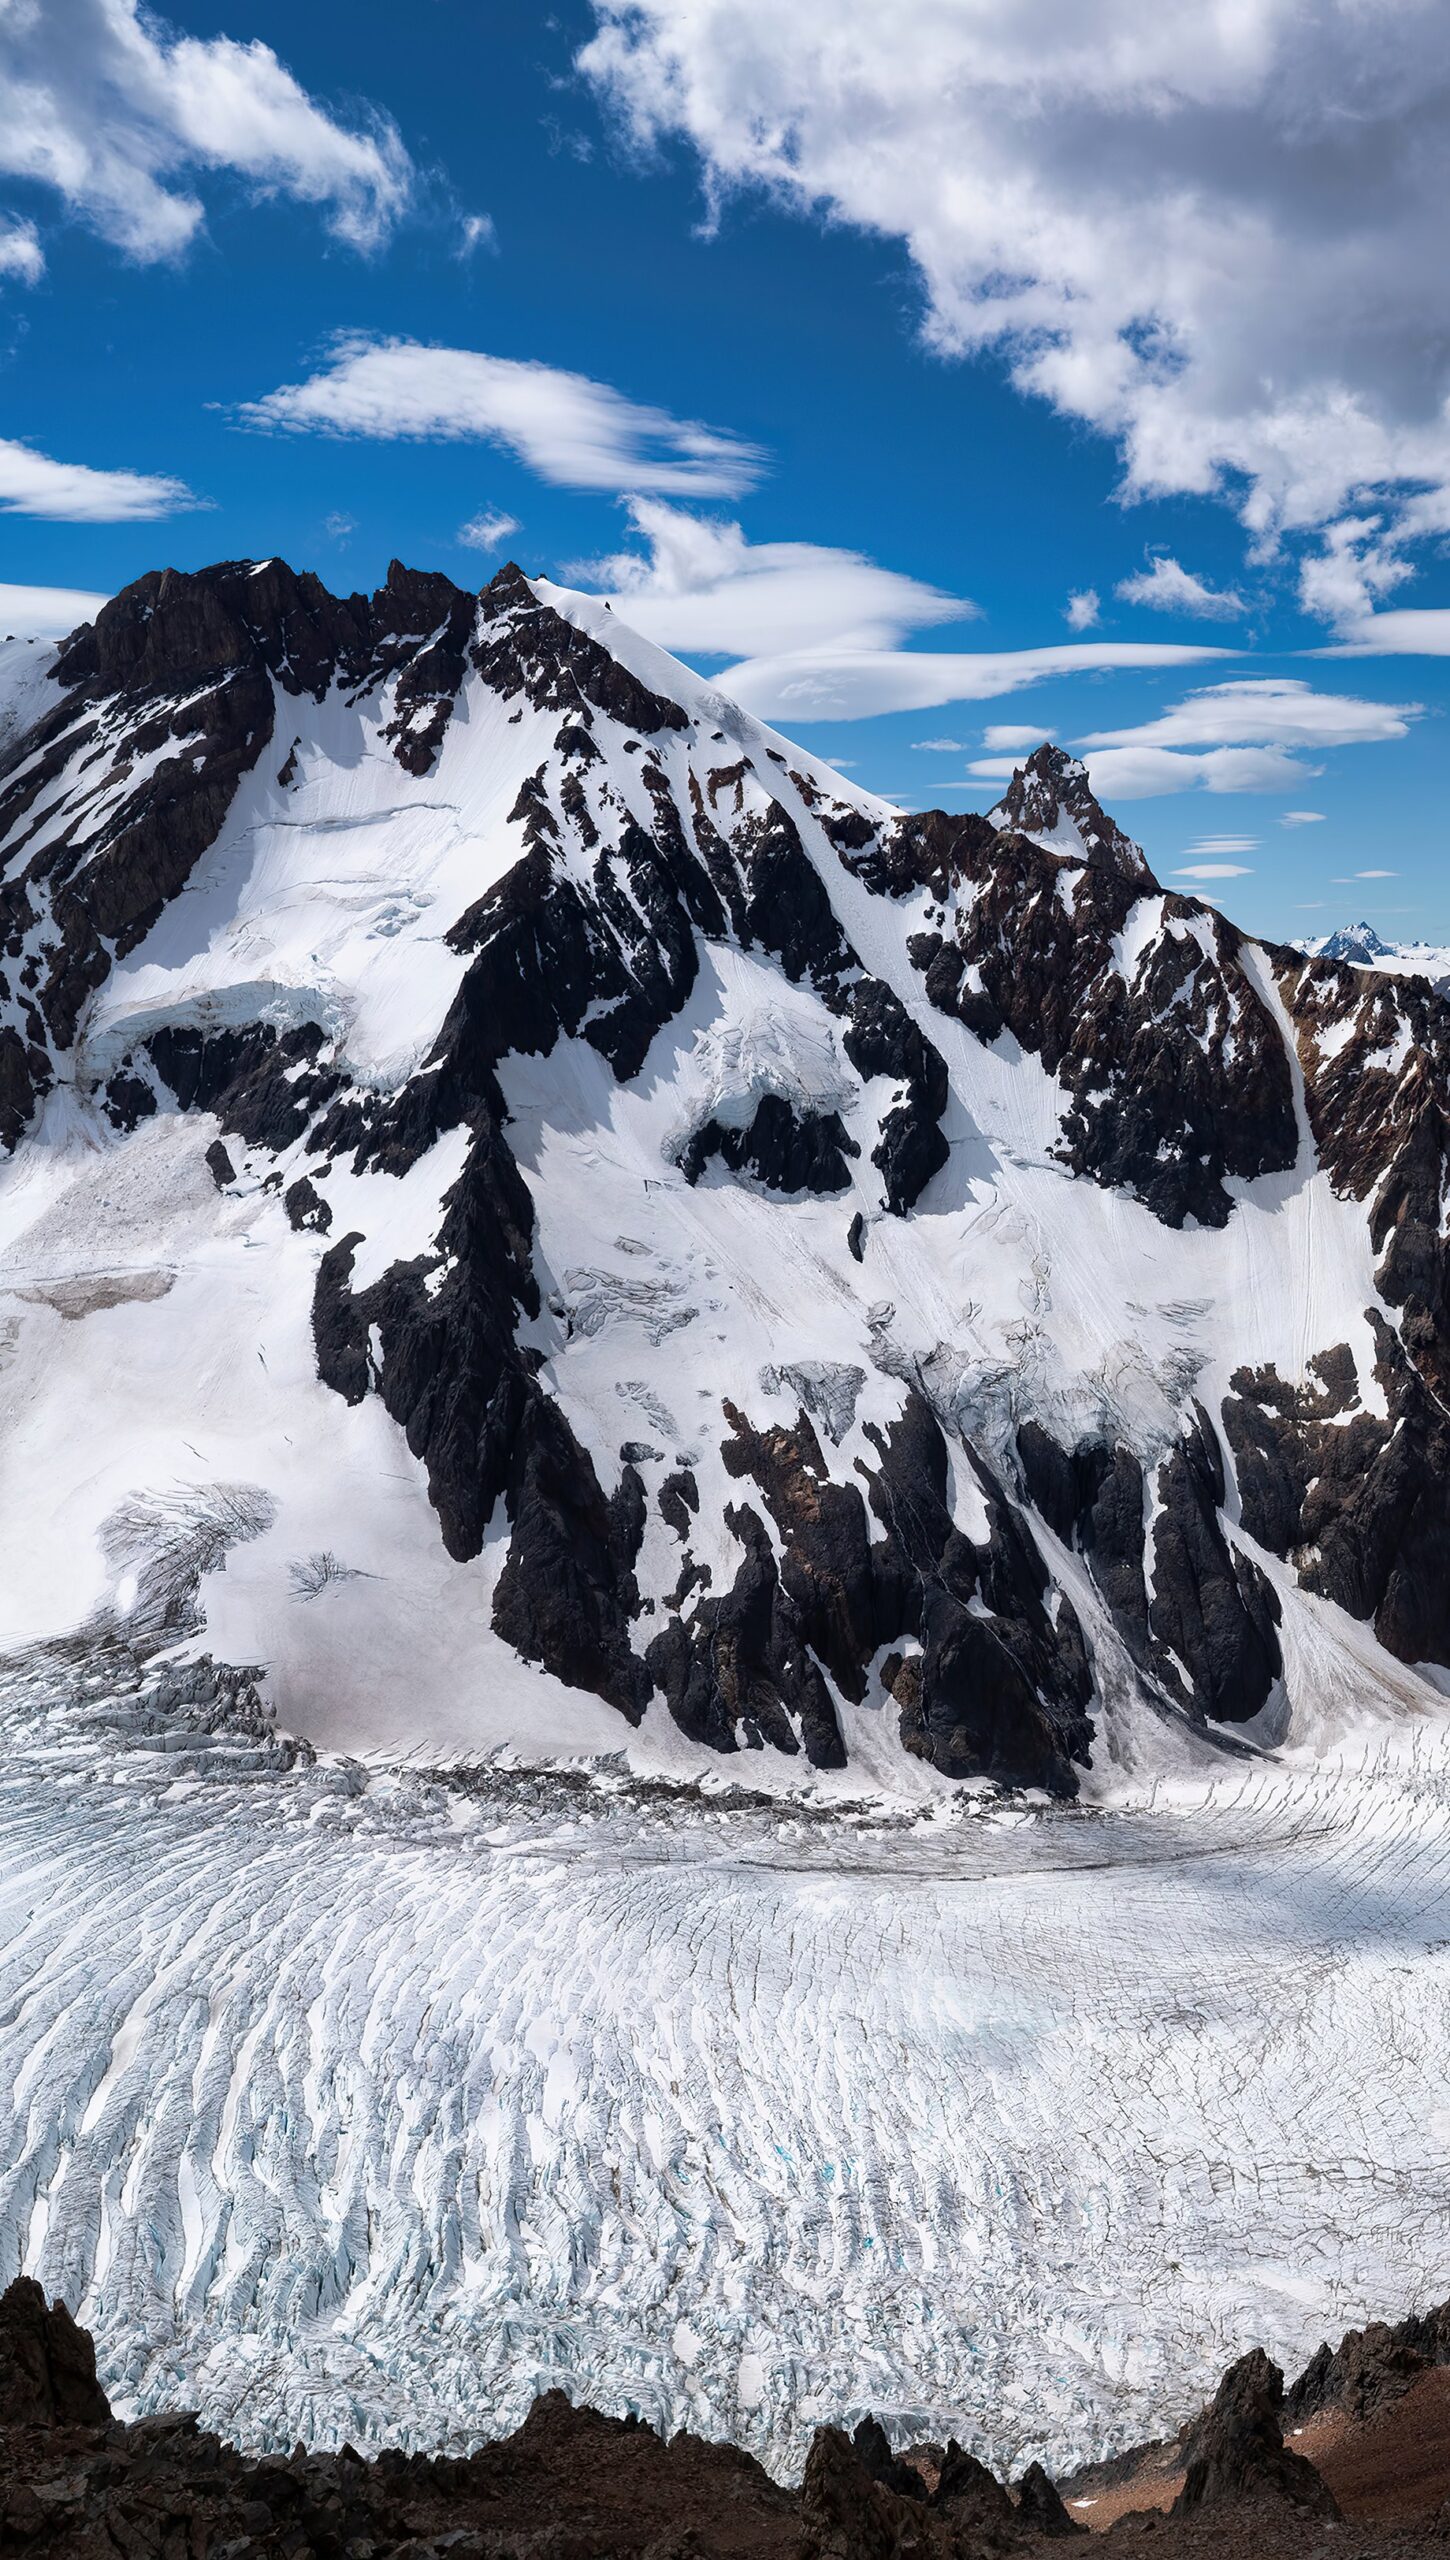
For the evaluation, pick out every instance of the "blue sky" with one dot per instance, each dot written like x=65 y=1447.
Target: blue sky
x=356 y=283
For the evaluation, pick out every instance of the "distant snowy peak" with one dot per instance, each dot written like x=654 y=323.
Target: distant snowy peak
x=1050 y=800
x=1362 y=948
x=535 y=1212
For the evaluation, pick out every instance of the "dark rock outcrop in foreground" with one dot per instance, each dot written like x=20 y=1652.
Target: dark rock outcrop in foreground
x=571 y=2484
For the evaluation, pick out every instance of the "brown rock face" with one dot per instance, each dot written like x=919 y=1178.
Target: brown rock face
x=47 y=2364
x=1237 y=2450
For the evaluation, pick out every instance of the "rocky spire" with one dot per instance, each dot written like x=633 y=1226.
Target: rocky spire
x=1051 y=800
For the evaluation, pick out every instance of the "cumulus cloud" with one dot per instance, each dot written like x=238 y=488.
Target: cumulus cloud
x=1082 y=609
x=1264 y=711
x=1166 y=587
x=1213 y=234
x=575 y=432
x=699 y=585
x=21 y=255
x=486 y=530
x=72 y=493
x=45 y=613
x=999 y=738
x=118 y=114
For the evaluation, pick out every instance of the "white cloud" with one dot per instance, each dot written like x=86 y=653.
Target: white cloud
x=117 y=113
x=1082 y=609
x=1406 y=631
x=856 y=684
x=701 y=586
x=21 y=255
x=1215 y=233
x=1000 y=738
x=1223 y=844
x=940 y=746
x=1213 y=871
x=1302 y=818
x=45 y=613
x=338 y=526
x=1343 y=883
x=1167 y=587
x=1151 y=773
x=577 y=433
x=1265 y=711
x=485 y=531
x=476 y=231
x=71 y=493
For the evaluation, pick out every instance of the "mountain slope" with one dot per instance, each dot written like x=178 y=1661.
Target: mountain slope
x=532 y=1208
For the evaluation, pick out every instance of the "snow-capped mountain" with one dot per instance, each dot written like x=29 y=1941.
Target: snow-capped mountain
x=534 y=1210
x=1362 y=947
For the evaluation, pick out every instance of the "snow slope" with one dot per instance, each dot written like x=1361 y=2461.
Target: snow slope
x=493 y=1118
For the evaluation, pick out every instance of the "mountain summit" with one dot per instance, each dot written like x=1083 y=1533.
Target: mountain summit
x=535 y=1212
x=1050 y=799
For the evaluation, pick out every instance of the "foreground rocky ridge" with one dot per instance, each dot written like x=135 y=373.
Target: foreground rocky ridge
x=573 y=2485
x=898 y=1055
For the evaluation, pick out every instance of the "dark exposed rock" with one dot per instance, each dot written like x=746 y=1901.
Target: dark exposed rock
x=305 y=1205
x=973 y=2498
x=1236 y=2451
x=786 y=1149
x=882 y=1040
x=1370 y=2367
x=872 y=2448
x=47 y=2364
x=223 y=1170
x=1050 y=795
x=1040 y=2508
x=1213 y=1611
x=845 y=2514
x=1176 y=1072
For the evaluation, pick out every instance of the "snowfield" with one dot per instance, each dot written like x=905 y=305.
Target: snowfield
x=359 y=2102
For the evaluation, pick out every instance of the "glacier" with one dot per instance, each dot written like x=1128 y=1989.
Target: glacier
x=360 y=2101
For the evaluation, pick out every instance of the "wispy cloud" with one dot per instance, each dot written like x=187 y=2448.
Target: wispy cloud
x=72 y=493
x=1213 y=871
x=1082 y=609
x=1152 y=773
x=858 y=684
x=118 y=115
x=485 y=531
x=21 y=255
x=1166 y=587
x=1265 y=711
x=578 y=433
x=699 y=585
x=45 y=613
x=1301 y=818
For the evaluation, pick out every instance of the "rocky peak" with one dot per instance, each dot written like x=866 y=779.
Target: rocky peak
x=1357 y=943
x=1050 y=799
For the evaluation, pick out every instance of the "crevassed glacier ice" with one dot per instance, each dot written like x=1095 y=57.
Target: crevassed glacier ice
x=363 y=2102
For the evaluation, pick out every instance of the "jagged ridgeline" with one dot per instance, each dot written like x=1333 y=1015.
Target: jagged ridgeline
x=532 y=1207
